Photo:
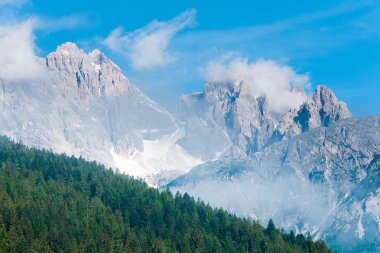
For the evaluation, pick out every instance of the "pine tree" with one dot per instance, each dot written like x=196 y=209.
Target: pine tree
x=271 y=230
x=56 y=203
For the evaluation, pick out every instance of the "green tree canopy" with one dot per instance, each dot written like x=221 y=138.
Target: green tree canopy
x=57 y=203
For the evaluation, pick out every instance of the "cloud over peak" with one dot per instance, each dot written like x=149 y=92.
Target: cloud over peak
x=18 y=60
x=147 y=47
x=264 y=77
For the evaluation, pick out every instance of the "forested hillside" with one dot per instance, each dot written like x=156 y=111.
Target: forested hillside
x=56 y=203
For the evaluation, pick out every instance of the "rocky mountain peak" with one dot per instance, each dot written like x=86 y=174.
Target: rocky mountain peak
x=324 y=92
x=68 y=48
x=96 y=54
x=93 y=74
x=321 y=109
x=324 y=97
x=246 y=121
x=324 y=108
x=234 y=114
x=298 y=90
x=329 y=107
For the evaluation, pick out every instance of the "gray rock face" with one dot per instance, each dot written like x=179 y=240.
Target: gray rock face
x=89 y=75
x=312 y=169
x=244 y=125
x=85 y=106
x=322 y=109
x=355 y=224
x=324 y=181
x=239 y=120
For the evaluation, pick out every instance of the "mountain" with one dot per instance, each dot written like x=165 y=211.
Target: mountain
x=311 y=168
x=226 y=119
x=56 y=203
x=325 y=181
x=85 y=106
x=322 y=109
x=356 y=222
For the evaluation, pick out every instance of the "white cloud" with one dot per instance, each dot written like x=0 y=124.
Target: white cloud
x=267 y=77
x=17 y=58
x=148 y=47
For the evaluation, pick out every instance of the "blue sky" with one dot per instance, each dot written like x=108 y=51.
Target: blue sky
x=336 y=43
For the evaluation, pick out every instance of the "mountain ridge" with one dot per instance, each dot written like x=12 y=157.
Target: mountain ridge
x=246 y=118
x=85 y=106
x=324 y=181
x=91 y=109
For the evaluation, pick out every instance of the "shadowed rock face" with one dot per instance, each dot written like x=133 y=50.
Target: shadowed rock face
x=322 y=109
x=299 y=168
x=91 y=74
x=244 y=122
x=333 y=172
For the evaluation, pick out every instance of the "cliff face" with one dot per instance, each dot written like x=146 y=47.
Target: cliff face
x=324 y=181
x=244 y=123
x=85 y=106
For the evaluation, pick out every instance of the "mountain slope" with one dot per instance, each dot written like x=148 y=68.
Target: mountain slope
x=85 y=106
x=310 y=156
x=324 y=181
x=54 y=203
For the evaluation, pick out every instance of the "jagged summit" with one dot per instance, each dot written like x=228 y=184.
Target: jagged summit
x=68 y=48
x=321 y=109
x=323 y=91
x=70 y=51
x=87 y=107
x=330 y=108
x=99 y=58
x=245 y=124
x=323 y=96
x=93 y=74
x=240 y=122
x=96 y=53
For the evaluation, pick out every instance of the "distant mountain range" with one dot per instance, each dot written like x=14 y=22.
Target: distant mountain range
x=313 y=169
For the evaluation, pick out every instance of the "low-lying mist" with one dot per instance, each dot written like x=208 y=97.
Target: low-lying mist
x=291 y=203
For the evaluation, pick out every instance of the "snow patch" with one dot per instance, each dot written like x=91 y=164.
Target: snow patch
x=158 y=156
x=373 y=207
x=360 y=230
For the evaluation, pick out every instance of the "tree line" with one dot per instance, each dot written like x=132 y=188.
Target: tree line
x=57 y=203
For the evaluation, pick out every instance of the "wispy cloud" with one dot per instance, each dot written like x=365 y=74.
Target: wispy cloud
x=263 y=77
x=18 y=61
x=148 y=47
